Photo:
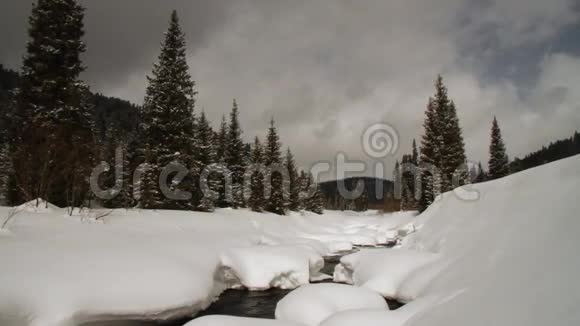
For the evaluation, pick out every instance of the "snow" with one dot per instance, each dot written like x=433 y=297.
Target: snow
x=381 y=270
x=311 y=304
x=135 y=264
x=508 y=258
x=263 y=267
x=375 y=317
x=237 y=321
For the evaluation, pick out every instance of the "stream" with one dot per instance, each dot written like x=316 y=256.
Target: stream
x=244 y=303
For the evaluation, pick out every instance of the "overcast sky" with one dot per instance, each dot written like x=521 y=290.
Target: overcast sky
x=326 y=69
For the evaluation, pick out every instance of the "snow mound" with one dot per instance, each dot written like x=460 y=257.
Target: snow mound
x=264 y=267
x=381 y=270
x=237 y=321
x=508 y=258
x=61 y=270
x=36 y=206
x=311 y=304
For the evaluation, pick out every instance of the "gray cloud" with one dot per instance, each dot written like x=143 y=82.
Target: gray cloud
x=327 y=69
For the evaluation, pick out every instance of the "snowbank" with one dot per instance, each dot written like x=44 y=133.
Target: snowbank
x=508 y=258
x=112 y=265
x=311 y=304
x=381 y=270
x=264 y=267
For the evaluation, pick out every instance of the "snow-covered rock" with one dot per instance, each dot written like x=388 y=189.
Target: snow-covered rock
x=264 y=267
x=311 y=304
x=381 y=270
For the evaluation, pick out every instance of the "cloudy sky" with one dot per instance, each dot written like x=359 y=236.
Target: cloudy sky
x=327 y=69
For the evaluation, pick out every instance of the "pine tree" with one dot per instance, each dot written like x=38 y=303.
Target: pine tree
x=414 y=154
x=206 y=156
x=498 y=161
x=311 y=194
x=256 y=200
x=53 y=144
x=293 y=182
x=235 y=158
x=453 y=159
x=481 y=176
x=278 y=200
x=220 y=168
x=443 y=159
x=408 y=175
x=430 y=158
x=397 y=180
x=168 y=121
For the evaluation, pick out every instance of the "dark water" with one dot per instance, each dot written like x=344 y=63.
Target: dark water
x=258 y=304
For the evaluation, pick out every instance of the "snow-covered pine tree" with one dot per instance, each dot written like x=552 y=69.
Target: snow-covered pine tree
x=397 y=180
x=53 y=144
x=414 y=154
x=206 y=156
x=408 y=174
x=481 y=176
x=498 y=160
x=235 y=158
x=453 y=158
x=221 y=143
x=257 y=201
x=430 y=158
x=278 y=200
x=312 y=196
x=293 y=182
x=118 y=179
x=168 y=121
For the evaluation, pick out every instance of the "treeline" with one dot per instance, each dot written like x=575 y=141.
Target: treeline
x=554 y=151
x=162 y=155
x=371 y=194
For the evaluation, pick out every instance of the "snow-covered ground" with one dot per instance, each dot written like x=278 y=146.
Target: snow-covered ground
x=509 y=258
x=102 y=265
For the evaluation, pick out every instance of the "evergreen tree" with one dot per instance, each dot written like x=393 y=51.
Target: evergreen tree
x=415 y=154
x=118 y=179
x=453 y=159
x=443 y=160
x=206 y=157
x=235 y=158
x=278 y=200
x=256 y=200
x=498 y=161
x=311 y=194
x=167 y=128
x=221 y=141
x=397 y=180
x=430 y=158
x=293 y=182
x=481 y=177
x=408 y=175
x=220 y=169
x=53 y=144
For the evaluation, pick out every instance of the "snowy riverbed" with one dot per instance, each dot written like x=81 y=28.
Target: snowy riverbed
x=134 y=264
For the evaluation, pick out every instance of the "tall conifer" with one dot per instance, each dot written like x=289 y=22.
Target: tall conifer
x=168 y=121
x=498 y=161
x=53 y=144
